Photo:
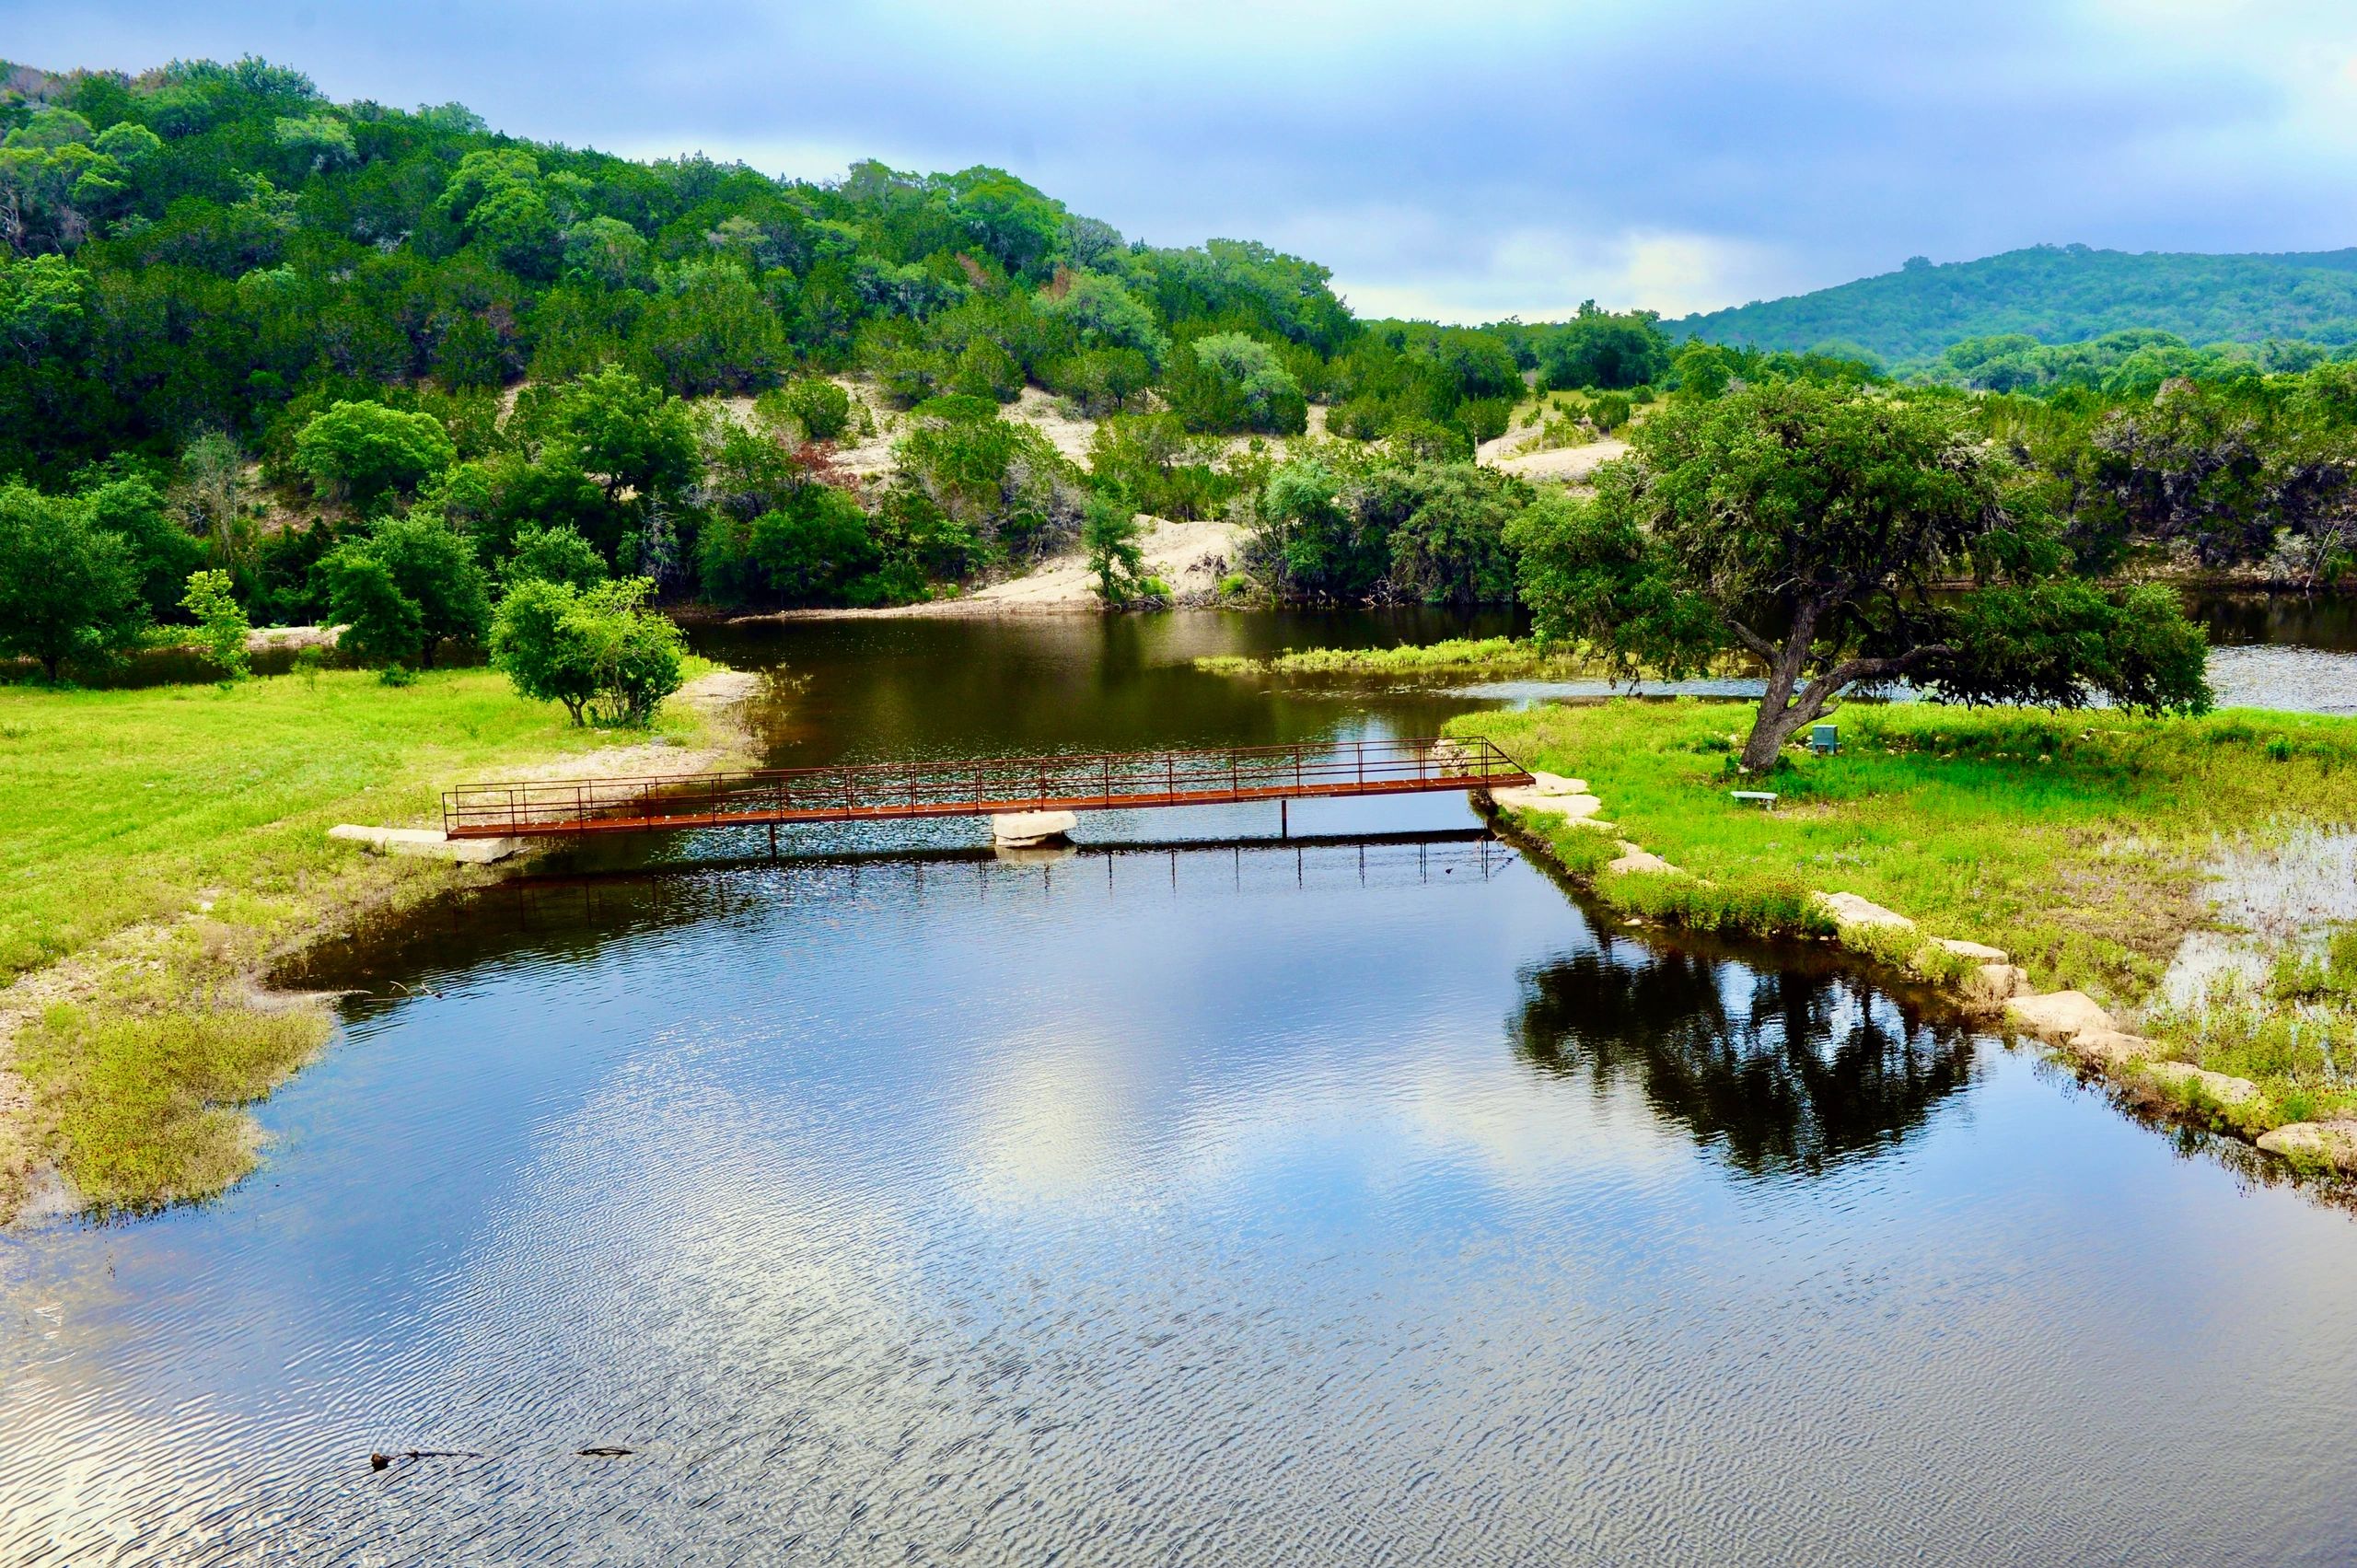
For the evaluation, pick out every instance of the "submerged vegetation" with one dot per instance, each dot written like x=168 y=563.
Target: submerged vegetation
x=2078 y=843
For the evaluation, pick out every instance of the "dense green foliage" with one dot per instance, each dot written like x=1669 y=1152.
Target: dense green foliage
x=246 y=330
x=1347 y=523
x=2056 y=293
x=598 y=650
x=256 y=303
x=68 y=587
x=1806 y=526
x=406 y=588
x=220 y=620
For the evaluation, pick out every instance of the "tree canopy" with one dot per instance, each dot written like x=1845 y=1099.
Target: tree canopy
x=69 y=589
x=1809 y=529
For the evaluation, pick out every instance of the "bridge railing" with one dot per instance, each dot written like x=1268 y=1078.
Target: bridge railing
x=1064 y=782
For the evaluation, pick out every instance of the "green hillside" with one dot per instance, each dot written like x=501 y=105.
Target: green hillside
x=2056 y=294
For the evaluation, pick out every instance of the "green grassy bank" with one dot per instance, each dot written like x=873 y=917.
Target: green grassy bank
x=1451 y=659
x=2077 y=843
x=163 y=845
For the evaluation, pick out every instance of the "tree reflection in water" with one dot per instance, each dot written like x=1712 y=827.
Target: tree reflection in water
x=1786 y=1071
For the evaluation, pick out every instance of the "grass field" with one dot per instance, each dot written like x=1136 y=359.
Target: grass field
x=162 y=844
x=2078 y=842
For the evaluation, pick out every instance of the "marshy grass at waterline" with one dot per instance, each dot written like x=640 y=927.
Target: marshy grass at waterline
x=2086 y=845
x=1454 y=659
x=167 y=844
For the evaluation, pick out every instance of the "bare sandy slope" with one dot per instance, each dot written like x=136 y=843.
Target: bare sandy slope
x=1191 y=558
x=871 y=456
x=1517 y=451
x=1567 y=464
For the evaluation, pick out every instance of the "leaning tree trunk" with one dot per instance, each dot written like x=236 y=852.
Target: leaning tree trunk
x=1782 y=713
x=1778 y=716
x=1774 y=726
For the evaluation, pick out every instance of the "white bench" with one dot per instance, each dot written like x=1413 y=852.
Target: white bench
x=1763 y=798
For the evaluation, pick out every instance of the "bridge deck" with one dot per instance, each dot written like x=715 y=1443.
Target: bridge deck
x=880 y=792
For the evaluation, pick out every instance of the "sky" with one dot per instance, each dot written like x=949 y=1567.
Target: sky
x=1455 y=162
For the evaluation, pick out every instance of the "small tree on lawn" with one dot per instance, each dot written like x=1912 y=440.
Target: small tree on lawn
x=598 y=650
x=68 y=588
x=1808 y=528
x=220 y=622
x=405 y=589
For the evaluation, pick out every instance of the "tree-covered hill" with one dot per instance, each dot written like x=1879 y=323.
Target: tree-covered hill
x=346 y=361
x=2056 y=293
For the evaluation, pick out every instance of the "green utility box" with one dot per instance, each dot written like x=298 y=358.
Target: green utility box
x=1825 y=739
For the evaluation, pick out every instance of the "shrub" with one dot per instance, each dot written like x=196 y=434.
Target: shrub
x=811 y=551
x=221 y=622
x=1107 y=316
x=1232 y=381
x=1100 y=381
x=820 y=410
x=1110 y=532
x=1004 y=483
x=1153 y=460
x=598 y=651
x=986 y=370
x=162 y=551
x=381 y=624
x=1484 y=419
x=1607 y=413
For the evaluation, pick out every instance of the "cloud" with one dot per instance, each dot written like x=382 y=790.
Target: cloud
x=1472 y=164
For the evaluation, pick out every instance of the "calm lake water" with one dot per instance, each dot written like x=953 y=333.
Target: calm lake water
x=1197 y=1198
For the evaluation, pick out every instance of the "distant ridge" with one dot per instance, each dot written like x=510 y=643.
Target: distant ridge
x=2056 y=293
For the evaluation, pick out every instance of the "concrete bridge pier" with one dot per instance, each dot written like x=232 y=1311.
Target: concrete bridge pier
x=1025 y=829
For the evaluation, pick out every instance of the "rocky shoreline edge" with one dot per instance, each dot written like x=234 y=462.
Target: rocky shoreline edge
x=1983 y=981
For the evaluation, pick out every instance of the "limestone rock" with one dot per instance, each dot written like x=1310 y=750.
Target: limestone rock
x=1635 y=859
x=1979 y=952
x=2060 y=1014
x=2320 y=1143
x=1023 y=828
x=1555 y=784
x=1848 y=909
x=2110 y=1048
x=428 y=842
x=1575 y=807
x=2218 y=1087
x=1996 y=982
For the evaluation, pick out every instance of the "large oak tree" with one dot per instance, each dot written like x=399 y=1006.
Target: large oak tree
x=1821 y=532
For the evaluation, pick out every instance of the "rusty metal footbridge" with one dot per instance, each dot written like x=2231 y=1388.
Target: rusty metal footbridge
x=985 y=787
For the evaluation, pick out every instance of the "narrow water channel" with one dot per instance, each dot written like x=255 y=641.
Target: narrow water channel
x=1197 y=1197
